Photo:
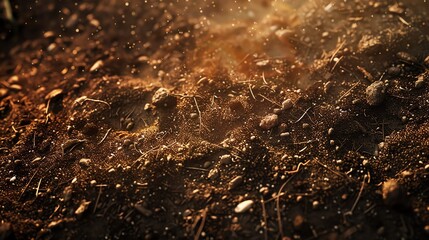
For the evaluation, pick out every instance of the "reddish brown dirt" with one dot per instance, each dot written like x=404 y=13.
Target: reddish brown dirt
x=82 y=81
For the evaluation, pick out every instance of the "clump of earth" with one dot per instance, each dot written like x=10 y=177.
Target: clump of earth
x=242 y=120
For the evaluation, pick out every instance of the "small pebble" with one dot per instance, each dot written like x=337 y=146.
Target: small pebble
x=82 y=208
x=67 y=193
x=282 y=127
x=426 y=61
x=161 y=97
x=18 y=162
x=287 y=104
x=244 y=206
x=147 y=107
x=277 y=111
x=213 y=174
x=127 y=143
x=298 y=221
x=207 y=164
x=85 y=162
x=225 y=159
x=316 y=204
x=15 y=87
x=305 y=125
x=285 y=134
x=13 y=79
x=96 y=66
x=269 y=121
x=264 y=190
x=330 y=131
x=419 y=83
x=235 y=182
x=12 y=179
x=3 y=92
x=194 y=115
x=375 y=93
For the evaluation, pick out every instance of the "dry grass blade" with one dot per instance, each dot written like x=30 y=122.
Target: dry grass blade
x=105 y=136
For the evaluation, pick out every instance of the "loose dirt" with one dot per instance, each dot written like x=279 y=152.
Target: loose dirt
x=214 y=120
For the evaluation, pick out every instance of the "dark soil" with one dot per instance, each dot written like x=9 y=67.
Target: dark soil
x=162 y=119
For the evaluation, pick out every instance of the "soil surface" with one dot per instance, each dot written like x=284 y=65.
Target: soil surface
x=214 y=120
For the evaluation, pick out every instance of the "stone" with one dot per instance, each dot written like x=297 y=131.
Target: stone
x=225 y=159
x=287 y=104
x=426 y=61
x=85 y=162
x=243 y=206
x=15 y=87
x=235 y=182
x=420 y=82
x=67 y=193
x=82 y=208
x=375 y=93
x=269 y=121
x=96 y=66
x=162 y=97
x=3 y=92
x=213 y=174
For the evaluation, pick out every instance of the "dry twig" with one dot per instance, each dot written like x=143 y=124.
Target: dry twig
x=200 y=228
x=105 y=136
